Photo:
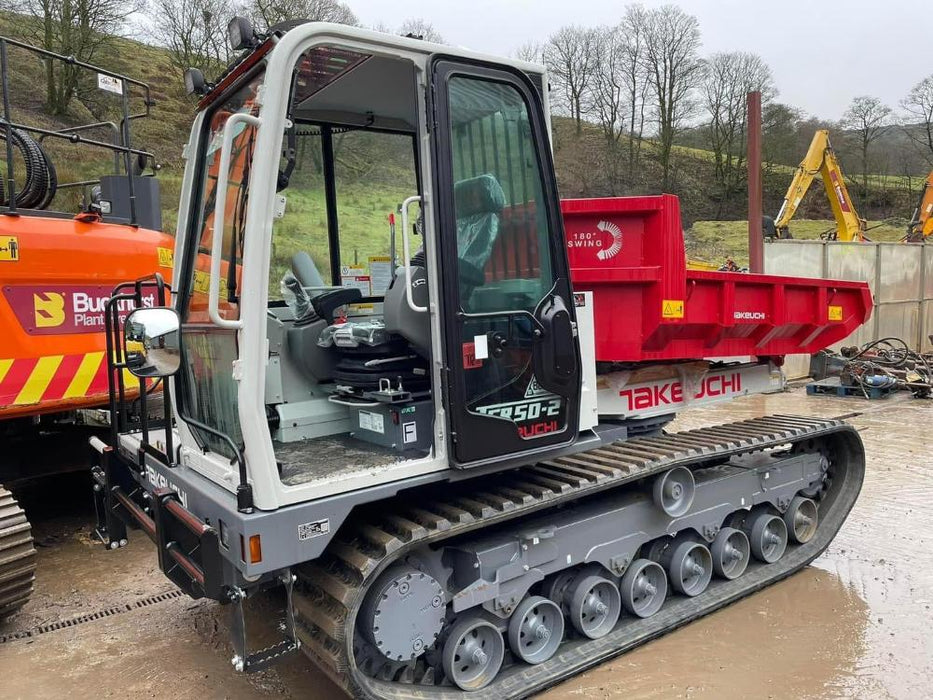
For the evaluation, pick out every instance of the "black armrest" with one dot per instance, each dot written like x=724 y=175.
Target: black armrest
x=325 y=304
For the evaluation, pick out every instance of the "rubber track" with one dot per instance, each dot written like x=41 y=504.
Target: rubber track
x=331 y=589
x=17 y=556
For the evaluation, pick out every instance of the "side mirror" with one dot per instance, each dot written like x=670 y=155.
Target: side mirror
x=151 y=339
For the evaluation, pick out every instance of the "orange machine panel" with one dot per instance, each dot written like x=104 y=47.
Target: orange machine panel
x=55 y=276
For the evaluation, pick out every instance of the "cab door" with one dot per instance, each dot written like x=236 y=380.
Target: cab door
x=512 y=363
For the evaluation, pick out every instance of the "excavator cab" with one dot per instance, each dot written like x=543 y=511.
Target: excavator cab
x=377 y=353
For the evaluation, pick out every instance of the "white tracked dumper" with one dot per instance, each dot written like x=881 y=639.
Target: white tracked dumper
x=451 y=457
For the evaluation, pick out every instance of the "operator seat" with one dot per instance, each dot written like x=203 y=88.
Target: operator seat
x=479 y=202
x=402 y=349
x=317 y=302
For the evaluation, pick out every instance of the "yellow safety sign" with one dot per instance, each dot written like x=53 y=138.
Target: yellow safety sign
x=835 y=313
x=672 y=308
x=166 y=257
x=9 y=248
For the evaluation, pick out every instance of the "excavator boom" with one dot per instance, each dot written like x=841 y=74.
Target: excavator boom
x=921 y=223
x=821 y=159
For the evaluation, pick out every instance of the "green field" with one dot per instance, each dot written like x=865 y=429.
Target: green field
x=714 y=241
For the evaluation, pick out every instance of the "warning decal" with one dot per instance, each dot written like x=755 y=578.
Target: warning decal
x=166 y=257
x=672 y=308
x=835 y=313
x=469 y=356
x=9 y=248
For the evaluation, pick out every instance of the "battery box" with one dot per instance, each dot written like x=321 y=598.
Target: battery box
x=399 y=426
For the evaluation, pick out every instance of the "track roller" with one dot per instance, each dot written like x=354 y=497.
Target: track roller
x=595 y=605
x=767 y=535
x=730 y=552
x=801 y=519
x=673 y=491
x=473 y=652
x=691 y=568
x=555 y=587
x=643 y=588
x=536 y=629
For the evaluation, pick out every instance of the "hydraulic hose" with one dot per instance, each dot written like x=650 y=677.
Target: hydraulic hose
x=41 y=180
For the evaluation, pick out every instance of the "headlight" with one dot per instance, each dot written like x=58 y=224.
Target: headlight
x=240 y=33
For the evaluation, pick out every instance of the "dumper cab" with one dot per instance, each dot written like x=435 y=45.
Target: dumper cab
x=372 y=304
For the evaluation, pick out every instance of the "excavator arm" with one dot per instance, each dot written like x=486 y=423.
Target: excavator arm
x=821 y=159
x=921 y=223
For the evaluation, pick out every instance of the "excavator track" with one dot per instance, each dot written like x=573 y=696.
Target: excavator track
x=331 y=590
x=17 y=556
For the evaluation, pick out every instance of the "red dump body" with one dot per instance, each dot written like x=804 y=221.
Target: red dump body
x=629 y=251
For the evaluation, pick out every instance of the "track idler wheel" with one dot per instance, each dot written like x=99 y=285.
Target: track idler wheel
x=690 y=568
x=595 y=605
x=730 y=552
x=536 y=629
x=673 y=491
x=767 y=535
x=643 y=588
x=473 y=652
x=801 y=519
x=17 y=556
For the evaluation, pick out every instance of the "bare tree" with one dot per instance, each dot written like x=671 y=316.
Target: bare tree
x=266 y=13
x=421 y=29
x=194 y=31
x=779 y=133
x=727 y=80
x=868 y=117
x=672 y=40
x=918 y=116
x=78 y=28
x=606 y=95
x=531 y=51
x=568 y=55
x=633 y=29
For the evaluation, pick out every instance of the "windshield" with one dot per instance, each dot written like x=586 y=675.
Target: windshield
x=208 y=389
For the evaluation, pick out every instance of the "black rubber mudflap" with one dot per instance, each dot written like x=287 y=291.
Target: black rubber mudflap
x=17 y=556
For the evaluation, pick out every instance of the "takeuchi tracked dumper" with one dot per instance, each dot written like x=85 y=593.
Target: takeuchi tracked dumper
x=445 y=441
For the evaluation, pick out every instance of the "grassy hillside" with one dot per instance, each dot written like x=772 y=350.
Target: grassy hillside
x=585 y=166
x=714 y=241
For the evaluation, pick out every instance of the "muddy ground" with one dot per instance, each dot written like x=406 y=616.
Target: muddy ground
x=856 y=623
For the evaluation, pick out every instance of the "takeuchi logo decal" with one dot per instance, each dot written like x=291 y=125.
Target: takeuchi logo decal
x=607 y=239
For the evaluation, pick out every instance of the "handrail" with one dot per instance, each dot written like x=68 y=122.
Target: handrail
x=406 y=253
x=220 y=205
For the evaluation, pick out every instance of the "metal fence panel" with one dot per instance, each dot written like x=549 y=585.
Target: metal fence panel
x=927 y=272
x=900 y=279
x=899 y=320
x=804 y=258
x=926 y=345
x=851 y=261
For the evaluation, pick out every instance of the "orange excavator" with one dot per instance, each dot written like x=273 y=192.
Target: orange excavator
x=920 y=228
x=56 y=271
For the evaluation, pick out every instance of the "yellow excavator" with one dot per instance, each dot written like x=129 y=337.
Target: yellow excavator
x=920 y=228
x=821 y=158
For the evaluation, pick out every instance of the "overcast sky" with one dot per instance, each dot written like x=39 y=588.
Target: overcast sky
x=822 y=52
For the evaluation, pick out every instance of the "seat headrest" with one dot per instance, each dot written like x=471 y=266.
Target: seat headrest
x=478 y=195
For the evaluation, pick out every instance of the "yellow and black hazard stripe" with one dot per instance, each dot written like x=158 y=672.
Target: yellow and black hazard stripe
x=33 y=380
